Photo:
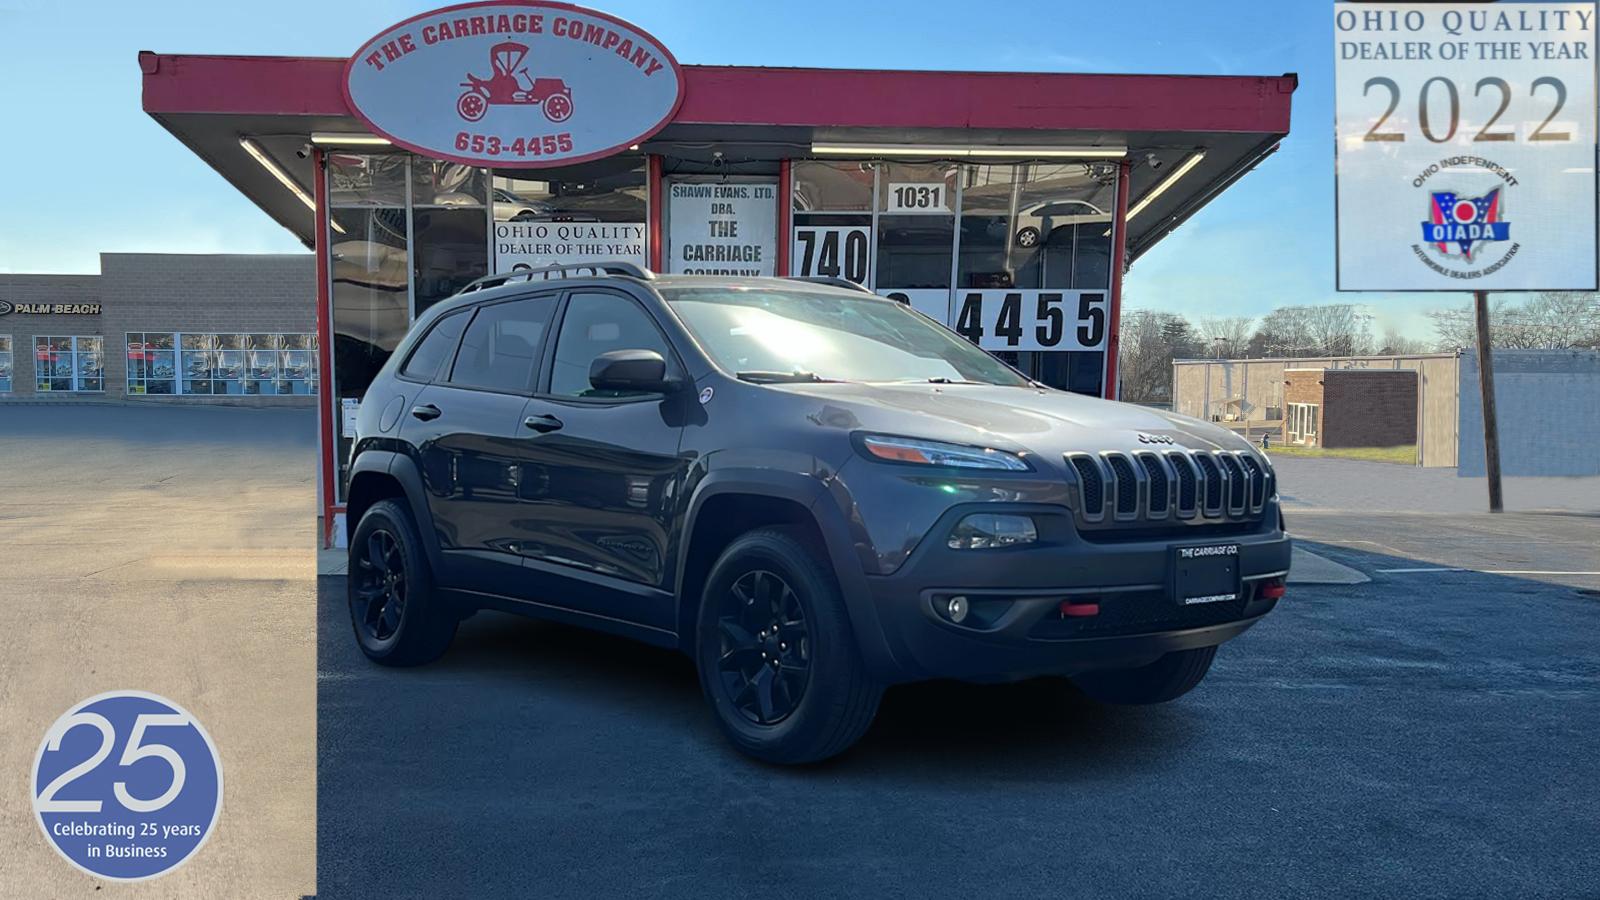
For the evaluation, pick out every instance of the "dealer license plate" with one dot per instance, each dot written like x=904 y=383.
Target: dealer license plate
x=1205 y=574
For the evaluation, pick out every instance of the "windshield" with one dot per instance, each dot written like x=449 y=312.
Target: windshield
x=816 y=336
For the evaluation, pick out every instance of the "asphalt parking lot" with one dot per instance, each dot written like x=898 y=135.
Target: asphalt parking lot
x=164 y=549
x=1429 y=732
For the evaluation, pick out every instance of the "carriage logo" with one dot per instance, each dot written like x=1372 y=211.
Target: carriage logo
x=5 y=308
x=1464 y=223
x=510 y=84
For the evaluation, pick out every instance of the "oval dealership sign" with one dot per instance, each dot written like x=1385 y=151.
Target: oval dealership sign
x=514 y=84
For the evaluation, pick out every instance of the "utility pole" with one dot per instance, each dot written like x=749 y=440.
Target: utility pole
x=1491 y=427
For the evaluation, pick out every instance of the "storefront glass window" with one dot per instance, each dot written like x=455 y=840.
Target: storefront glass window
x=5 y=364
x=152 y=363
x=226 y=364
x=916 y=234
x=68 y=364
x=359 y=179
x=369 y=268
x=832 y=227
x=1037 y=226
x=832 y=186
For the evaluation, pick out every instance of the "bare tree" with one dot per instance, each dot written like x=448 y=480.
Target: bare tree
x=1227 y=336
x=1338 y=329
x=1552 y=320
x=1149 y=342
x=1396 y=344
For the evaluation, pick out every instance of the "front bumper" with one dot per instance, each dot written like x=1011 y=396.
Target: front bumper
x=1015 y=629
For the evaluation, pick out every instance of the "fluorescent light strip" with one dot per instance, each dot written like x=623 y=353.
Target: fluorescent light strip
x=1168 y=182
x=968 y=152
x=260 y=156
x=342 y=139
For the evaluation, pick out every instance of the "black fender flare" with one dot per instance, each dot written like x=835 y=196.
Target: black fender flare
x=809 y=493
x=403 y=469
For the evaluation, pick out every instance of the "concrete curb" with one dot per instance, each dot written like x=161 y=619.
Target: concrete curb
x=1308 y=568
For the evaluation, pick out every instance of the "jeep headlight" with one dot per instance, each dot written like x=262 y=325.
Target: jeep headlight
x=986 y=531
x=939 y=453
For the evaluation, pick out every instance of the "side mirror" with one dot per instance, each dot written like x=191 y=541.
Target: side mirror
x=631 y=371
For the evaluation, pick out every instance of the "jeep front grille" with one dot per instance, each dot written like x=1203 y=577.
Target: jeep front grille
x=1149 y=488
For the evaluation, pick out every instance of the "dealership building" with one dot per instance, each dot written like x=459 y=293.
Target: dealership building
x=490 y=138
x=164 y=328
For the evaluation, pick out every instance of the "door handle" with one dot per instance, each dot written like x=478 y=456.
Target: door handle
x=427 y=412
x=542 y=424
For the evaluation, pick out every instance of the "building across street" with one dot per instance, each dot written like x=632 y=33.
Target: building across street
x=181 y=328
x=1548 y=401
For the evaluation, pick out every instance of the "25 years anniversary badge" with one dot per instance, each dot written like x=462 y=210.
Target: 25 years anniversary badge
x=127 y=785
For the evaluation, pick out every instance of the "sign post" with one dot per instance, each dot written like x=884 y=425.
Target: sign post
x=1491 y=425
x=1465 y=155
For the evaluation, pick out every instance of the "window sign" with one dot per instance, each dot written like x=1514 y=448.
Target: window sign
x=1006 y=319
x=533 y=245
x=931 y=197
x=5 y=364
x=722 y=229
x=1465 y=146
x=833 y=251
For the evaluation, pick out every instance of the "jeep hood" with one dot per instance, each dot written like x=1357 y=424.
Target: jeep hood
x=1041 y=421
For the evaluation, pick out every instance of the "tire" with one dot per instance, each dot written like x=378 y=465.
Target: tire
x=1168 y=678
x=386 y=542
x=770 y=576
x=1028 y=237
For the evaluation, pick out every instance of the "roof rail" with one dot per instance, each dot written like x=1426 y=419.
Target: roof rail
x=832 y=280
x=617 y=267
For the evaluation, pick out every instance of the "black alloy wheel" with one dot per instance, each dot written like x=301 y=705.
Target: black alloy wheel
x=379 y=599
x=764 y=660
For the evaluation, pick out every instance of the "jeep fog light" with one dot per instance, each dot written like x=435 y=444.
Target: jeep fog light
x=983 y=531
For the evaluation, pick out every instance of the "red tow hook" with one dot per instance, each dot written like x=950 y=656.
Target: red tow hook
x=1272 y=590
x=1079 y=610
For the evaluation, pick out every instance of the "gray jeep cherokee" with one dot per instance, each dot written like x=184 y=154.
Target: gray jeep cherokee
x=813 y=491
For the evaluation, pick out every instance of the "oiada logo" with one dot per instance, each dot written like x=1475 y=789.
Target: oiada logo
x=1462 y=230
x=522 y=83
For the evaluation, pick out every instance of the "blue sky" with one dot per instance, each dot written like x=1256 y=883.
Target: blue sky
x=87 y=170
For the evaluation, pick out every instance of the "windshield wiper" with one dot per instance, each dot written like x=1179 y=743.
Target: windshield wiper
x=765 y=377
x=940 y=379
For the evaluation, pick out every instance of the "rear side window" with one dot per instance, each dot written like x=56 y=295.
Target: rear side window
x=435 y=348
x=501 y=345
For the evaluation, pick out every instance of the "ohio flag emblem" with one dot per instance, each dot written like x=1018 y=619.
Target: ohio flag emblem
x=1464 y=221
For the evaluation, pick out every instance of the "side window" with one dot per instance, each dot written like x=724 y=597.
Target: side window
x=596 y=323
x=501 y=345
x=435 y=347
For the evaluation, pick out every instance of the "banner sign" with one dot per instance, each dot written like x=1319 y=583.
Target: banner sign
x=515 y=83
x=931 y=302
x=1465 y=146
x=533 y=245
x=722 y=229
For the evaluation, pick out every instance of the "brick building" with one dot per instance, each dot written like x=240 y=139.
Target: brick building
x=1350 y=407
x=179 y=328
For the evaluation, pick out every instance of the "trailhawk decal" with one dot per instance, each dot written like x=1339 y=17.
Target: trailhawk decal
x=514 y=84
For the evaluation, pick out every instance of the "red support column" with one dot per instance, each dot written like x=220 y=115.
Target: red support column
x=653 y=187
x=785 y=211
x=328 y=461
x=1119 y=257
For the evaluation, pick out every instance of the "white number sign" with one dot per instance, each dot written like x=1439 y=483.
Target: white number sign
x=917 y=197
x=1465 y=146
x=833 y=251
x=1005 y=319
x=931 y=302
